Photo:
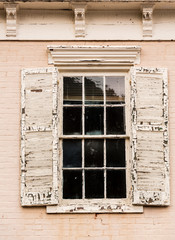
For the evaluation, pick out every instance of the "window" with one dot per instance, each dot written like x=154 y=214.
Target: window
x=95 y=110
x=93 y=137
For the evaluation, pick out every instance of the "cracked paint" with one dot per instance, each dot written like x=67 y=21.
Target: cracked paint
x=39 y=137
x=150 y=153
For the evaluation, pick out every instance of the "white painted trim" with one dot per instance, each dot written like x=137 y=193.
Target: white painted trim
x=86 y=57
x=11 y=19
x=41 y=197
x=147 y=19
x=142 y=196
x=79 y=15
x=76 y=59
x=98 y=208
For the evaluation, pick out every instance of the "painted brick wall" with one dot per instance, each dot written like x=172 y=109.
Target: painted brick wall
x=17 y=223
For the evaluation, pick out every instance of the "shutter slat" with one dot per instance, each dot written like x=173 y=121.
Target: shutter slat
x=39 y=137
x=150 y=154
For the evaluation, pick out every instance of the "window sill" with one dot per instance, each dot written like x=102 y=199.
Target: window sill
x=95 y=208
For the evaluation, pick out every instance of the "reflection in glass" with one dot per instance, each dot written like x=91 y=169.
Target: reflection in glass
x=115 y=153
x=115 y=123
x=116 y=184
x=72 y=184
x=94 y=153
x=72 y=153
x=72 y=120
x=94 y=90
x=94 y=184
x=72 y=88
x=94 y=120
x=115 y=89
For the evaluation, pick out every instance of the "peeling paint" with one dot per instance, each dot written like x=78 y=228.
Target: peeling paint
x=39 y=137
x=82 y=56
x=150 y=153
x=96 y=208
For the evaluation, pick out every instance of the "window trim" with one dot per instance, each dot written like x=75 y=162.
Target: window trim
x=103 y=60
x=84 y=57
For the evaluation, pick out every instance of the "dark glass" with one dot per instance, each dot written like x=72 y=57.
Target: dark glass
x=115 y=153
x=115 y=89
x=94 y=153
x=115 y=120
x=72 y=88
x=72 y=153
x=72 y=120
x=94 y=90
x=72 y=184
x=94 y=184
x=116 y=184
x=94 y=120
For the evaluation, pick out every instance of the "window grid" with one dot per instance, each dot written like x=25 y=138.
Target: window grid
x=104 y=136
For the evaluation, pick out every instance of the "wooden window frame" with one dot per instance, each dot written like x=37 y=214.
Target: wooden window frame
x=97 y=60
x=144 y=188
x=125 y=136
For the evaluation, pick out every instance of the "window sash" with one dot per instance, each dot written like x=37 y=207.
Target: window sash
x=125 y=136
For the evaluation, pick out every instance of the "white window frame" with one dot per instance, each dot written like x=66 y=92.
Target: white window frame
x=98 y=60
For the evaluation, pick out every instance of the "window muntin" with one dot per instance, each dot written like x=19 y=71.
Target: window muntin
x=93 y=175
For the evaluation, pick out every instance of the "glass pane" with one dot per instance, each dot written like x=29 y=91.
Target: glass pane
x=94 y=184
x=72 y=88
x=94 y=153
x=115 y=123
x=115 y=153
x=115 y=89
x=72 y=120
x=94 y=90
x=94 y=120
x=72 y=184
x=72 y=153
x=116 y=184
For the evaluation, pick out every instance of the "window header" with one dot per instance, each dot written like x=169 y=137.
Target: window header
x=98 y=57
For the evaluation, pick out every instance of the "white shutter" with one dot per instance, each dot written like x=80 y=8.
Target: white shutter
x=150 y=155
x=39 y=137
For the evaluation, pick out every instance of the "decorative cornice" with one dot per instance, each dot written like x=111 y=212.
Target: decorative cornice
x=11 y=19
x=83 y=1
x=79 y=12
x=147 y=19
x=89 y=57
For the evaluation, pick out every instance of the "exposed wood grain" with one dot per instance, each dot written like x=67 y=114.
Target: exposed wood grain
x=150 y=168
x=39 y=144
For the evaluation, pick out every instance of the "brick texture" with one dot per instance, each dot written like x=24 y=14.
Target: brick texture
x=17 y=223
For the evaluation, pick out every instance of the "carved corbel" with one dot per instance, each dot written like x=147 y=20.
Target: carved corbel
x=11 y=18
x=147 y=19
x=79 y=14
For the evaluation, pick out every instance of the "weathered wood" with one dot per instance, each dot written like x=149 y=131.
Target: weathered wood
x=95 y=208
x=150 y=159
x=98 y=57
x=39 y=137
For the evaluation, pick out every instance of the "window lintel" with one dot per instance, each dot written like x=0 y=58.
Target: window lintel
x=79 y=57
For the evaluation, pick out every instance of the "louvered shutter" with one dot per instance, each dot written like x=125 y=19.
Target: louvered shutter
x=39 y=140
x=150 y=157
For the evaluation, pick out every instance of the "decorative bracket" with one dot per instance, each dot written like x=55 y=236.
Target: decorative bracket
x=79 y=12
x=147 y=19
x=11 y=18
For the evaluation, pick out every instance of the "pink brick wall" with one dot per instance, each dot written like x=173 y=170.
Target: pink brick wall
x=17 y=223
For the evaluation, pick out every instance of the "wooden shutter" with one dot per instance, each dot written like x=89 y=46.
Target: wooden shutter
x=39 y=140
x=150 y=157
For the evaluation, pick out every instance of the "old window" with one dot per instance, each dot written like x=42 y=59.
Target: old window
x=93 y=134
x=93 y=137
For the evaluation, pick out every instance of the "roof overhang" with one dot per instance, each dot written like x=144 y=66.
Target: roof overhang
x=91 y=4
